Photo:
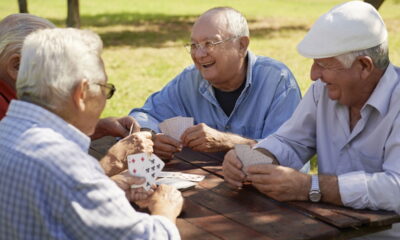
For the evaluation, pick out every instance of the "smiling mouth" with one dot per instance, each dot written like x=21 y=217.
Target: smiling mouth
x=207 y=65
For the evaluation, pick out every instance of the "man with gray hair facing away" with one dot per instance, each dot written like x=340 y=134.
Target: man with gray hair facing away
x=234 y=96
x=350 y=117
x=51 y=188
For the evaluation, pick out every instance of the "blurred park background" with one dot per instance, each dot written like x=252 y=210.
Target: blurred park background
x=144 y=40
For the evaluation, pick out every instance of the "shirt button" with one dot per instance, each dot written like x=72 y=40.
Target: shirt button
x=227 y=127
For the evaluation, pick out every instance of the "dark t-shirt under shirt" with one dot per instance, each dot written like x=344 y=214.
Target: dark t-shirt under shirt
x=227 y=100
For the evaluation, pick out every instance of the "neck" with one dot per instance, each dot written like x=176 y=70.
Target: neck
x=236 y=81
x=8 y=80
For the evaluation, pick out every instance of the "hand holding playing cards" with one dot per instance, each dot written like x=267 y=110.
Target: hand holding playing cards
x=114 y=161
x=165 y=146
x=124 y=180
x=116 y=127
x=166 y=201
x=280 y=183
x=232 y=169
x=203 y=138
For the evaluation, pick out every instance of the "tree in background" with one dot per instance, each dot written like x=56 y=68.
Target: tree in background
x=23 y=6
x=73 y=17
x=375 y=3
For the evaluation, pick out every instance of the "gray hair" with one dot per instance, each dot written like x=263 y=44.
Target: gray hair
x=379 y=55
x=13 y=30
x=236 y=22
x=54 y=61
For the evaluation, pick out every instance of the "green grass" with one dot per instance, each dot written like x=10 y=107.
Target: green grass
x=143 y=39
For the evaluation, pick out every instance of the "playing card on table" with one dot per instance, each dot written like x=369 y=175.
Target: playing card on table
x=176 y=126
x=250 y=157
x=182 y=176
x=145 y=165
x=178 y=183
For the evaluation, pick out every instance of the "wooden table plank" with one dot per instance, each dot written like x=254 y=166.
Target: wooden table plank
x=343 y=217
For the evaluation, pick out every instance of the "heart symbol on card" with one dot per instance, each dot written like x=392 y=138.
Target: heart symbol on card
x=142 y=159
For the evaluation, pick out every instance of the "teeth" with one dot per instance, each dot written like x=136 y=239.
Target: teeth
x=206 y=64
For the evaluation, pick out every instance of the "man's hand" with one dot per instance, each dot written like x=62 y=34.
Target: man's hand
x=166 y=201
x=232 y=169
x=115 y=162
x=116 y=127
x=280 y=183
x=165 y=146
x=203 y=138
x=124 y=180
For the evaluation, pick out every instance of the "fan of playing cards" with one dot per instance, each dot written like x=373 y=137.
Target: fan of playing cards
x=250 y=157
x=145 y=165
x=149 y=166
x=176 y=126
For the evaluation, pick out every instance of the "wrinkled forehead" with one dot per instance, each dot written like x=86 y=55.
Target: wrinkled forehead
x=212 y=25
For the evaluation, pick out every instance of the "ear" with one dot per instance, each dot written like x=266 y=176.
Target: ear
x=367 y=66
x=244 y=44
x=13 y=66
x=80 y=94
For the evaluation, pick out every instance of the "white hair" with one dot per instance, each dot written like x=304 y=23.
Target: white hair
x=54 y=61
x=236 y=22
x=379 y=55
x=13 y=30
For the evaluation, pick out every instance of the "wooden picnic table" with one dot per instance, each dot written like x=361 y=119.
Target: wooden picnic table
x=214 y=210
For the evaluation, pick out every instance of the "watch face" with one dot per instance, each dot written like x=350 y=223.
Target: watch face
x=315 y=196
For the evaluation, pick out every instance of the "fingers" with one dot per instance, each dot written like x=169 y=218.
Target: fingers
x=261 y=169
x=165 y=146
x=193 y=133
x=232 y=169
x=140 y=142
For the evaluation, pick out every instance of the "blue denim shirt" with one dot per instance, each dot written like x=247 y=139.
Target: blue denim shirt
x=269 y=98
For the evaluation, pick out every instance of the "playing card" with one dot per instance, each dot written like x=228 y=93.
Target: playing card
x=176 y=126
x=145 y=165
x=182 y=176
x=178 y=183
x=250 y=157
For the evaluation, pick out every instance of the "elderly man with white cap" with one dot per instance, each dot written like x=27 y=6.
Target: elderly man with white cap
x=350 y=118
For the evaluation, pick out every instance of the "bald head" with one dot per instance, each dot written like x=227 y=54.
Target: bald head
x=227 y=19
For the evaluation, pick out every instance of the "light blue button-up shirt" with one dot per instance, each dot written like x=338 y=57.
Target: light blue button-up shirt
x=268 y=99
x=366 y=160
x=52 y=189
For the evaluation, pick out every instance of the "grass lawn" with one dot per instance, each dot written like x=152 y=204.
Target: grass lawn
x=144 y=39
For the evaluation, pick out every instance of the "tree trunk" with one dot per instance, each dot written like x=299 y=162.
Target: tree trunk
x=23 y=6
x=73 y=18
x=375 y=3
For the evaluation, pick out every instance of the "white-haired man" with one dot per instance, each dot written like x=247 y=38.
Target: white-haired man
x=51 y=188
x=234 y=96
x=13 y=30
x=349 y=117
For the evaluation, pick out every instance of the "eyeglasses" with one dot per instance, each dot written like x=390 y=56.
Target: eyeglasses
x=110 y=89
x=207 y=46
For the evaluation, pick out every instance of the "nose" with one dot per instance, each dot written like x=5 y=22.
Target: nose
x=315 y=72
x=200 y=52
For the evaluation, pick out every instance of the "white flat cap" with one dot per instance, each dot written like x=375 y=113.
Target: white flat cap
x=348 y=27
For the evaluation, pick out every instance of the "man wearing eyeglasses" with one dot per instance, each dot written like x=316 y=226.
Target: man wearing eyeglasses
x=234 y=96
x=13 y=30
x=50 y=187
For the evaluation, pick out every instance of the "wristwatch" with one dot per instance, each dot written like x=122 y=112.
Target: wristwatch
x=315 y=194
